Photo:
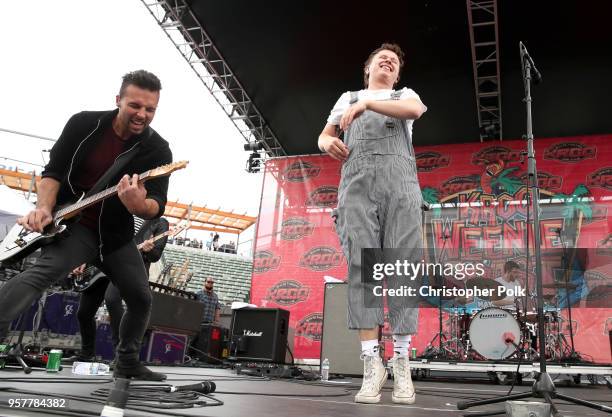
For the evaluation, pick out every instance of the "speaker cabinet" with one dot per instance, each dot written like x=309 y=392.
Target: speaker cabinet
x=339 y=344
x=259 y=334
x=175 y=313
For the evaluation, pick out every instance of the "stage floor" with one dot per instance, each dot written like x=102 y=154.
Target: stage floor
x=256 y=397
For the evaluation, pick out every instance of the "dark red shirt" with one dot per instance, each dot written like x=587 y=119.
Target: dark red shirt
x=96 y=164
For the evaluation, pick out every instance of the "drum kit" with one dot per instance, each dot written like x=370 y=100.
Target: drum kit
x=498 y=332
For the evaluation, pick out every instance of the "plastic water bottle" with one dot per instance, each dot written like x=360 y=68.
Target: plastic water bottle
x=90 y=368
x=325 y=370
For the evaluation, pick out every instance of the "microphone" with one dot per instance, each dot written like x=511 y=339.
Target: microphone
x=537 y=77
x=204 y=387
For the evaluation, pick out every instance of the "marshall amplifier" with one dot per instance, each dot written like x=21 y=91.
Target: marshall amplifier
x=175 y=313
x=259 y=334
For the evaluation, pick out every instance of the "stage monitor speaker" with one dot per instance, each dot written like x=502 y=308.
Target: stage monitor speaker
x=259 y=334
x=339 y=344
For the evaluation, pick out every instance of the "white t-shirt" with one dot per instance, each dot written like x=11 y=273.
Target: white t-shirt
x=344 y=101
x=515 y=286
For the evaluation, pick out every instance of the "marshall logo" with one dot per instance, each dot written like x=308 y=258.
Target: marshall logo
x=570 y=152
x=264 y=261
x=310 y=327
x=494 y=154
x=428 y=161
x=546 y=181
x=321 y=258
x=459 y=184
x=324 y=196
x=251 y=333
x=288 y=292
x=601 y=178
x=300 y=171
x=295 y=228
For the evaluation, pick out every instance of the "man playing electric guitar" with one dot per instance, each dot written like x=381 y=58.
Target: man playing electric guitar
x=101 y=149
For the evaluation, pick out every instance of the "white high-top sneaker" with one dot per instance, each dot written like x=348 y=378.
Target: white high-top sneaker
x=374 y=377
x=403 y=390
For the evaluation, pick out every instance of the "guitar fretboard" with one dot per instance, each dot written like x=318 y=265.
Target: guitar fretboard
x=91 y=200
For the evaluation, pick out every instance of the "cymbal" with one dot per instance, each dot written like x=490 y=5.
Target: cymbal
x=486 y=284
x=560 y=285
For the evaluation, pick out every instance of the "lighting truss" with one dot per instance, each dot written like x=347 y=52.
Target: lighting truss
x=186 y=33
x=484 y=40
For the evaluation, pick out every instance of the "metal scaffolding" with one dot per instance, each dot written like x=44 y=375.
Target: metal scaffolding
x=484 y=40
x=187 y=34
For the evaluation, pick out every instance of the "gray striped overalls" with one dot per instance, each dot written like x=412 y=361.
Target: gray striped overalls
x=379 y=206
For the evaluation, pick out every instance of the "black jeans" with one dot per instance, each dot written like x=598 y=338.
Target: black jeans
x=91 y=300
x=124 y=267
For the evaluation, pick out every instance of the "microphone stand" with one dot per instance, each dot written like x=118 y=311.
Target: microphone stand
x=543 y=386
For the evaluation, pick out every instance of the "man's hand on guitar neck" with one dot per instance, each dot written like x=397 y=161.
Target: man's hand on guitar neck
x=147 y=245
x=133 y=195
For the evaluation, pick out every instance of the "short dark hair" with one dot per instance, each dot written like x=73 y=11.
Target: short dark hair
x=140 y=78
x=393 y=47
x=510 y=265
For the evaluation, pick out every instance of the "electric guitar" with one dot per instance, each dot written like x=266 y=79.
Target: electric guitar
x=173 y=231
x=20 y=242
x=91 y=274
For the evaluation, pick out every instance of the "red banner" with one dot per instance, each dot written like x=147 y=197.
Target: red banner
x=297 y=246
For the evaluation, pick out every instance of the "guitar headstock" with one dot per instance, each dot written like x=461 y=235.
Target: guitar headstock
x=164 y=170
x=178 y=228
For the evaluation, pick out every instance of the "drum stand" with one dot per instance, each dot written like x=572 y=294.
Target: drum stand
x=543 y=386
x=572 y=356
x=439 y=352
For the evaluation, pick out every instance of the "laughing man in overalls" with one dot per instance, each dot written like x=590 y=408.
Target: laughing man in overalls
x=379 y=206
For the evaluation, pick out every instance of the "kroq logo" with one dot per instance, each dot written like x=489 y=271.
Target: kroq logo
x=494 y=154
x=288 y=292
x=570 y=152
x=295 y=228
x=310 y=327
x=546 y=181
x=428 y=161
x=458 y=184
x=324 y=196
x=300 y=171
x=264 y=261
x=601 y=178
x=321 y=258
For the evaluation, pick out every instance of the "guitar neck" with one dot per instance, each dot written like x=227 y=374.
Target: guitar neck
x=156 y=238
x=80 y=205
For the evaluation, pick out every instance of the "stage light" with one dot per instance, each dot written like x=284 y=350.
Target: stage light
x=254 y=164
x=253 y=146
x=490 y=131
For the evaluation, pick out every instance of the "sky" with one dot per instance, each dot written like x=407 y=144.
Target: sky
x=59 y=58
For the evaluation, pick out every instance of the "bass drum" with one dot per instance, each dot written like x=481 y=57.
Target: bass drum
x=495 y=333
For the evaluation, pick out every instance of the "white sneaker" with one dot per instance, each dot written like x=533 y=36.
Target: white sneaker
x=374 y=377
x=403 y=390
